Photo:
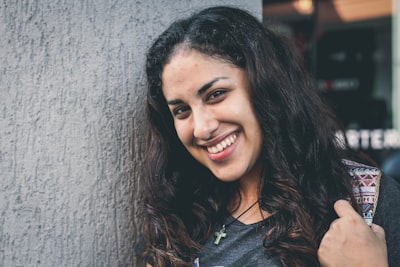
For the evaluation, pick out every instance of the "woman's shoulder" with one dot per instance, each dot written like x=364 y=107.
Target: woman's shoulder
x=372 y=179
x=379 y=196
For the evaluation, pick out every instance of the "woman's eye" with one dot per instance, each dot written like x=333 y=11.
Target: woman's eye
x=216 y=94
x=181 y=112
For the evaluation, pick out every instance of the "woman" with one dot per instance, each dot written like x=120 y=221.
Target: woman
x=243 y=163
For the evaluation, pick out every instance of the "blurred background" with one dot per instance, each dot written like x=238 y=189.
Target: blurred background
x=349 y=47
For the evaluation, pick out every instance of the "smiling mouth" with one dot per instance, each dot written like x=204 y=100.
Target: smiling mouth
x=227 y=142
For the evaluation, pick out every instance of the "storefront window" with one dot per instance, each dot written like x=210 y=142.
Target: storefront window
x=347 y=46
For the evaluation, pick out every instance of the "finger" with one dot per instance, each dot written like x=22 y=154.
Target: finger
x=343 y=208
x=379 y=231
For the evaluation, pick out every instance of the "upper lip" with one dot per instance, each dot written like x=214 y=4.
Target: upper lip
x=215 y=141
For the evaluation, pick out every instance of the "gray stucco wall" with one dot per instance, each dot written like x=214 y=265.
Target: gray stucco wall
x=71 y=126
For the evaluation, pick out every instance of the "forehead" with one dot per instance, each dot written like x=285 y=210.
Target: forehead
x=185 y=57
x=188 y=68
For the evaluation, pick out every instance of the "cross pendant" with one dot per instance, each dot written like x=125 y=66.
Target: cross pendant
x=219 y=235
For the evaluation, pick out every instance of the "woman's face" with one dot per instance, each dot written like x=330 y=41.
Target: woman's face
x=210 y=102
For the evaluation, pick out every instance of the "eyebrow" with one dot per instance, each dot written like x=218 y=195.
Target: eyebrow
x=199 y=92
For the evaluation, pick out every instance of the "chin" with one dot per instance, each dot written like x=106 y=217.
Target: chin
x=227 y=178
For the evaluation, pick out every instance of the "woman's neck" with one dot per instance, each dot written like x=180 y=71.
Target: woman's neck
x=249 y=212
x=249 y=193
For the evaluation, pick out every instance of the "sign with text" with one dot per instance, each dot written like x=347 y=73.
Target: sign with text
x=375 y=139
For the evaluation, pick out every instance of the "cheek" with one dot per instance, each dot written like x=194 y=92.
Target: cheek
x=242 y=110
x=183 y=132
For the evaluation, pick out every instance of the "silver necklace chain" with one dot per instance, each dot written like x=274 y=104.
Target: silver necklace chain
x=222 y=232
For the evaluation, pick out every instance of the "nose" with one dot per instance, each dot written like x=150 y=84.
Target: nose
x=205 y=123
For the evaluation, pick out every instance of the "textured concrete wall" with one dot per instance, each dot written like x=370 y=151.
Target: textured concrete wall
x=71 y=126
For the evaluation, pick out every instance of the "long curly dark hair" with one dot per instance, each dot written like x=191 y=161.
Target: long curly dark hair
x=302 y=175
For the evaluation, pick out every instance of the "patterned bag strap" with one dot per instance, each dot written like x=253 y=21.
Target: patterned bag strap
x=365 y=183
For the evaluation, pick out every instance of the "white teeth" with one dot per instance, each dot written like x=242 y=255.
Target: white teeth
x=222 y=145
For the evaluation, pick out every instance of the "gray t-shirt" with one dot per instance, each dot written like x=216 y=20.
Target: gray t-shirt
x=242 y=246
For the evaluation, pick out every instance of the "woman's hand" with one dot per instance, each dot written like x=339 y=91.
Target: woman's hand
x=351 y=242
